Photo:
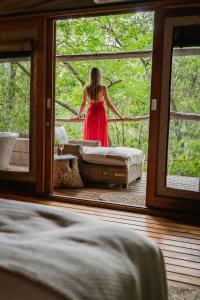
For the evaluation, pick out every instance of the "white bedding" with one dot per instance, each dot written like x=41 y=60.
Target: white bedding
x=118 y=156
x=54 y=254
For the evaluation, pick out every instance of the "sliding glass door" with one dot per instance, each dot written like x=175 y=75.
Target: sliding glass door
x=178 y=173
x=15 y=112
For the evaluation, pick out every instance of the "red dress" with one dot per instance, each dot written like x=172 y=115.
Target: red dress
x=96 y=123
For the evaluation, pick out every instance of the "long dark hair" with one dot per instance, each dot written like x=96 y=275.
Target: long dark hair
x=94 y=84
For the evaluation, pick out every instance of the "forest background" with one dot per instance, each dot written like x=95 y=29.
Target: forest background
x=128 y=81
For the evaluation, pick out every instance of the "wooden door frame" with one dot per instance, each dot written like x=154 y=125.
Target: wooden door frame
x=154 y=118
x=164 y=115
x=153 y=199
x=50 y=104
x=31 y=28
x=156 y=198
x=21 y=45
x=50 y=77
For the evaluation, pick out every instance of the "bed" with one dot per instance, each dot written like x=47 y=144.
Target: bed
x=53 y=254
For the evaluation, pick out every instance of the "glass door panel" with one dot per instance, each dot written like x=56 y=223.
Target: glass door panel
x=178 y=173
x=15 y=74
x=183 y=155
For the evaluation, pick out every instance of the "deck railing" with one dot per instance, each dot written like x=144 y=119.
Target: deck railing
x=173 y=115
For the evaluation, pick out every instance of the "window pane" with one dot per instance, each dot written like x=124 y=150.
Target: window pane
x=183 y=169
x=15 y=70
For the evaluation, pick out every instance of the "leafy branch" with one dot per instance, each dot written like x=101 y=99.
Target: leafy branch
x=75 y=73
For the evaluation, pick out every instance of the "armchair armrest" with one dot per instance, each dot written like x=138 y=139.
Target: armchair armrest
x=73 y=149
x=90 y=143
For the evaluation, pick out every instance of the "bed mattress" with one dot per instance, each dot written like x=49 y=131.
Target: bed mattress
x=53 y=254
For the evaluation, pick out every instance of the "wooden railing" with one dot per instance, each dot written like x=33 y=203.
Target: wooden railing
x=129 y=119
x=173 y=115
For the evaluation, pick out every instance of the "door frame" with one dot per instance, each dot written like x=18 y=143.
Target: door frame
x=162 y=189
x=50 y=77
x=33 y=29
x=153 y=200
x=159 y=196
x=50 y=104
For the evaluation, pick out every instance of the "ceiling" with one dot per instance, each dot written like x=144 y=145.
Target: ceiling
x=16 y=7
x=20 y=7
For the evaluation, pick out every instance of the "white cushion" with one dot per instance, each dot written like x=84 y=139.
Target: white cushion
x=118 y=156
x=60 y=135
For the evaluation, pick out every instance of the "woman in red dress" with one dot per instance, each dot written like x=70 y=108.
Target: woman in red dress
x=96 y=123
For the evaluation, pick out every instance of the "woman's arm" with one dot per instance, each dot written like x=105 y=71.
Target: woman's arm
x=83 y=103
x=109 y=103
x=82 y=107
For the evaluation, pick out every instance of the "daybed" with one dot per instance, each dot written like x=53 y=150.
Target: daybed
x=120 y=165
x=49 y=253
x=113 y=165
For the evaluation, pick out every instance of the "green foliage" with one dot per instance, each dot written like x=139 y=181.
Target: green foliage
x=14 y=97
x=129 y=82
x=184 y=136
x=105 y=34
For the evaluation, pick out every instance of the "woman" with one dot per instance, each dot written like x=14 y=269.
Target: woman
x=96 y=123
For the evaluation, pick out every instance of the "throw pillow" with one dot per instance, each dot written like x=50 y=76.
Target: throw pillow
x=60 y=135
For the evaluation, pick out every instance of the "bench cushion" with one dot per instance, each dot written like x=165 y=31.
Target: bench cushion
x=89 y=143
x=118 y=156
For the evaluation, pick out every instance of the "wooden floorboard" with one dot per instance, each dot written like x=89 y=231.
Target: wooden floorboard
x=133 y=216
x=180 y=243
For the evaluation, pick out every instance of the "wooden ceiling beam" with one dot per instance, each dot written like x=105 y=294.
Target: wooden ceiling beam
x=104 y=56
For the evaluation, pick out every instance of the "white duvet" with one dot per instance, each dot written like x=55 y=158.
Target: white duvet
x=50 y=254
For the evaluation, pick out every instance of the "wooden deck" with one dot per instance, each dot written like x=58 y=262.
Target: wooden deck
x=93 y=191
x=179 y=243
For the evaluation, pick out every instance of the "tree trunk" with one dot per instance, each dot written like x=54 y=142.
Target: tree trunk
x=11 y=87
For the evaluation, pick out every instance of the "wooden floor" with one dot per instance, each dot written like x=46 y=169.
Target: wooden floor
x=179 y=243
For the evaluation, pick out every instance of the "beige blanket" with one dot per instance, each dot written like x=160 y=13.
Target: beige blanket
x=75 y=257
